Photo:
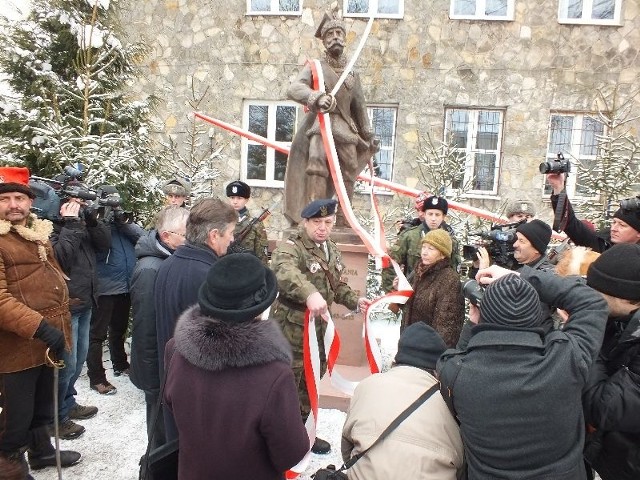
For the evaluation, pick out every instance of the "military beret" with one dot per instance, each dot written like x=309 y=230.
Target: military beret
x=436 y=203
x=320 y=208
x=238 y=189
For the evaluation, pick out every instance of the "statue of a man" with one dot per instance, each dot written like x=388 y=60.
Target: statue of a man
x=308 y=177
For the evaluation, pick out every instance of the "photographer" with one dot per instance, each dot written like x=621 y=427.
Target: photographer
x=516 y=391
x=77 y=236
x=625 y=226
x=114 y=268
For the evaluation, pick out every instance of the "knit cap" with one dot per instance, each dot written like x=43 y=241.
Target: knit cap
x=616 y=272
x=511 y=301
x=441 y=240
x=420 y=346
x=630 y=217
x=538 y=233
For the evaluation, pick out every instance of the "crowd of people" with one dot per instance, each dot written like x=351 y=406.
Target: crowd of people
x=541 y=381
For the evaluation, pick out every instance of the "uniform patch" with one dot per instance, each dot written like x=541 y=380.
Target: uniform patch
x=314 y=267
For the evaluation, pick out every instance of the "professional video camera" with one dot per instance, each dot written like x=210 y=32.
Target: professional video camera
x=108 y=206
x=50 y=192
x=473 y=291
x=499 y=242
x=632 y=203
x=555 y=166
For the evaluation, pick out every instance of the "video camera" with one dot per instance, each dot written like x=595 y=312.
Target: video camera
x=632 y=203
x=499 y=242
x=108 y=206
x=555 y=166
x=50 y=192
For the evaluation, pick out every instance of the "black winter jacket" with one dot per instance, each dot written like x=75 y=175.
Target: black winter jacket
x=75 y=246
x=144 y=347
x=579 y=233
x=612 y=402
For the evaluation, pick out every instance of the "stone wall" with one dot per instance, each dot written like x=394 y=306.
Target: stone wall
x=422 y=63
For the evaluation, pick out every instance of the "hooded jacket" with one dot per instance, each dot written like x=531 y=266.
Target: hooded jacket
x=231 y=390
x=144 y=347
x=32 y=287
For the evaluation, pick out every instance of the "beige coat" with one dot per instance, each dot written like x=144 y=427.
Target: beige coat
x=426 y=446
x=32 y=287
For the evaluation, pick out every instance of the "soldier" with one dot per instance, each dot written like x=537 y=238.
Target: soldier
x=308 y=267
x=247 y=237
x=520 y=210
x=176 y=192
x=407 y=249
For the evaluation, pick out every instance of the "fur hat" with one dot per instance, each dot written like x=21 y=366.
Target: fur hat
x=511 y=301
x=436 y=203
x=631 y=217
x=238 y=288
x=441 y=240
x=420 y=346
x=326 y=23
x=521 y=206
x=177 y=186
x=15 y=179
x=238 y=189
x=575 y=261
x=616 y=272
x=538 y=233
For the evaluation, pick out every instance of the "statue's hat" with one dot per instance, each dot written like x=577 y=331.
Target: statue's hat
x=327 y=23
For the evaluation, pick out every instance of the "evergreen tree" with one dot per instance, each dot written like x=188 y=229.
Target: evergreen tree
x=71 y=71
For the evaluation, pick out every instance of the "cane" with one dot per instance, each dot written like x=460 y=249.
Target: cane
x=56 y=365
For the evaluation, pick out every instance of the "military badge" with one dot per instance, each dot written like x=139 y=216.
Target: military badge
x=314 y=267
x=339 y=266
x=324 y=211
x=524 y=207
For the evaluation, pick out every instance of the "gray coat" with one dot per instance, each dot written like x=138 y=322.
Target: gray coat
x=517 y=392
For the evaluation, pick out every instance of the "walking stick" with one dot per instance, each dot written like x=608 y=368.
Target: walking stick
x=56 y=365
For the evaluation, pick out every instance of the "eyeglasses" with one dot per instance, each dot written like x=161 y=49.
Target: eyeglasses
x=176 y=233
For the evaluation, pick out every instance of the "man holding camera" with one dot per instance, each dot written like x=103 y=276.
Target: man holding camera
x=34 y=322
x=516 y=391
x=625 y=226
x=76 y=238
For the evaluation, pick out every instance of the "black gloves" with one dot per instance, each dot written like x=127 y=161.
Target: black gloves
x=52 y=337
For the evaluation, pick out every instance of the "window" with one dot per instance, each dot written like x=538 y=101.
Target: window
x=263 y=166
x=274 y=7
x=386 y=8
x=383 y=126
x=575 y=136
x=594 y=12
x=477 y=136
x=482 y=9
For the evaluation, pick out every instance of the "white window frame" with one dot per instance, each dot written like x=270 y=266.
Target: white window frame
x=274 y=9
x=269 y=181
x=470 y=150
x=587 y=11
x=480 y=12
x=365 y=187
x=573 y=154
x=400 y=13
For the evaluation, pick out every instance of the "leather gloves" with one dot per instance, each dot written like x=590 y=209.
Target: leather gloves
x=52 y=337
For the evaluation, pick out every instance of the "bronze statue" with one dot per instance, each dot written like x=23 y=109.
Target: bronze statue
x=308 y=177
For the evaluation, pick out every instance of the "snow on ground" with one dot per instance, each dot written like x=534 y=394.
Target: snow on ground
x=115 y=439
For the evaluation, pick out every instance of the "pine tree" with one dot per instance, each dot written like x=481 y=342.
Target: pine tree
x=71 y=71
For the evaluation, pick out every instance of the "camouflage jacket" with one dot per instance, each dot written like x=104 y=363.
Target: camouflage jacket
x=256 y=238
x=406 y=252
x=301 y=268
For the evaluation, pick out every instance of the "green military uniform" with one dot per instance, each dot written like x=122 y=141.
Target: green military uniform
x=256 y=238
x=302 y=268
x=406 y=251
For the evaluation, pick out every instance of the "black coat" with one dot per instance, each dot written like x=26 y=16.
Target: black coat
x=612 y=402
x=518 y=392
x=75 y=246
x=232 y=393
x=579 y=233
x=177 y=284
x=144 y=347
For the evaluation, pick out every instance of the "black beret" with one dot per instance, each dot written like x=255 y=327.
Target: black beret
x=320 y=208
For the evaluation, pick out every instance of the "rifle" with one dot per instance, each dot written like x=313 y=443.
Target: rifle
x=245 y=231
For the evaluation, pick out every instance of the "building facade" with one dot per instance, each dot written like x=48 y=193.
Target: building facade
x=508 y=83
